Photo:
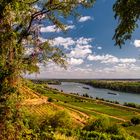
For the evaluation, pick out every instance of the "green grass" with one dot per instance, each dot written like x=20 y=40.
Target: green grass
x=92 y=105
x=134 y=130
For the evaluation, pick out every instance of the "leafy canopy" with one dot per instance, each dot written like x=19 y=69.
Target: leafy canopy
x=21 y=49
x=128 y=14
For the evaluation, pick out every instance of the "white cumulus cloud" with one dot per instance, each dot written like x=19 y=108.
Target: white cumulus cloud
x=61 y=41
x=110 y=59
x=53 y=28
x=80 y=51
x=85 y=18
x=137 y=43
x=80 y=43
x=99 y=48
x=74 y=61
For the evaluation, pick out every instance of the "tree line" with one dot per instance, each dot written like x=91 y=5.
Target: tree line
x=116 y=85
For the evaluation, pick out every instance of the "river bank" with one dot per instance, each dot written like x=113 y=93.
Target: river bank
x=123 y=86
x=121 y=97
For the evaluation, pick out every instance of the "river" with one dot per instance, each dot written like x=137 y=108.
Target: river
x=121 y=97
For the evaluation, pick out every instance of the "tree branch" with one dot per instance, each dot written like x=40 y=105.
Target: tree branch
x=52 y=7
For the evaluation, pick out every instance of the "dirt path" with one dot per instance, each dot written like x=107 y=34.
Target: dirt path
x=81 y=113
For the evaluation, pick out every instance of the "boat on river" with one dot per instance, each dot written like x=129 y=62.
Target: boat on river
x=86 y=88
x=112 y=93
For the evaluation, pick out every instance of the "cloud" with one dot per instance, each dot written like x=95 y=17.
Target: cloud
x=79 y=52
x=137 y=43
x=99 y=48
x=99 y=57
x=84 y=41
x=110 y=59
x=69 y=27
x=80 y=43
x=85 y=18
x=128 y=60
x=53 y=28
x=61 y=41
x=78 y=71
x=74 y=61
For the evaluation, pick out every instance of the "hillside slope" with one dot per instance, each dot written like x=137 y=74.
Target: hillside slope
x=36 y=100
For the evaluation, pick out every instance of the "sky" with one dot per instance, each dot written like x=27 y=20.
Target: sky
x=90 y=49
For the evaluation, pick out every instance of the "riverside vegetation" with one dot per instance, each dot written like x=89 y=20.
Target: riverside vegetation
x=125 y=86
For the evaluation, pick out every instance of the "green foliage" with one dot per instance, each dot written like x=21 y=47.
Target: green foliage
x=131 y=105
x=128 y=13
x=85 y=95
x=58 y=120
x=116 y=85
x=50 y=99
x=102 y=129
x=135 y=120
x=19 y=28
x=101 y=124
x=19 y=34
x=114 y=129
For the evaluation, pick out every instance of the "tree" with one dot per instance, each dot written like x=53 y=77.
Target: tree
x=135 y=120
x=128 y=14
x=20 y=22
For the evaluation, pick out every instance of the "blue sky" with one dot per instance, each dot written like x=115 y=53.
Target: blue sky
x=90 y=49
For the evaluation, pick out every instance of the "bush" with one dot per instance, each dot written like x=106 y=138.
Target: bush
x=130 y=105
x=85 y=95
x=100 y=125
x=116 y=102
x=50 y=99
x=58 y=120
x=135 y=120
x=93 y=135
x=127 y=124
x=114 y=129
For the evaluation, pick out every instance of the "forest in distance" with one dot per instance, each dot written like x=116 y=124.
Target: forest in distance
x=123 y=85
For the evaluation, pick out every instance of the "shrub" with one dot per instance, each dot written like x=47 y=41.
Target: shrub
x=50 y=99
x=130 y=105
x=114 y=129
x=127 y=124
x=116 y=102
x=58 y=120
x=93 y=135
x=85 y=95
x=135 y=120
x=100 y=124
x=117 y=137
x=59 y=136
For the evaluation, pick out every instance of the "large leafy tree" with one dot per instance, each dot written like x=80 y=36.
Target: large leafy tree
x=128 y=14
x=19 y=31
x=20 y=22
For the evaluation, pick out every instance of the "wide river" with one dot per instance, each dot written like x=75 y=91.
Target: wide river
x=121 y=97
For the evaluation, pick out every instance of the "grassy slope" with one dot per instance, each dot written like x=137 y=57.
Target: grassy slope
x=81 y=108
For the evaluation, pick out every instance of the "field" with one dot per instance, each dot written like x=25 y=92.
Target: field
x=81 y=107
